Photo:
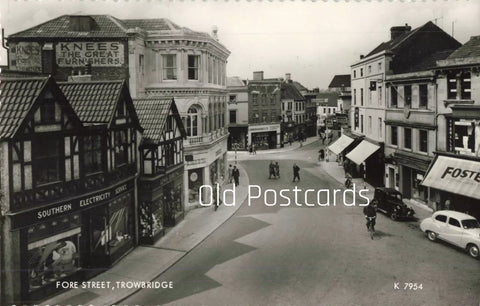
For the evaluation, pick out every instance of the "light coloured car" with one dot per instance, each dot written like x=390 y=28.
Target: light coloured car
x=454 y=227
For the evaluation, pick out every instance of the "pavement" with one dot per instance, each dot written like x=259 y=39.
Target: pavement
x=146 y=263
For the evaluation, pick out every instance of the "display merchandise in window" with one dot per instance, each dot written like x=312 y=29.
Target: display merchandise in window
x=113 y=230
x=195 y=180
x=151 y=216
x=53 y=257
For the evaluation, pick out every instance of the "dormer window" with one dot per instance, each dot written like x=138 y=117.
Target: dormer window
x=82 y=23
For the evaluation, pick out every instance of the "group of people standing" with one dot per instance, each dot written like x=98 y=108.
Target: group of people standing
x=252 y=149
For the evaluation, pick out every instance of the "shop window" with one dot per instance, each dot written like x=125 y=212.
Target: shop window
x=151 y=220
x=112 y=228
x=233 y=116
x=92 y=155
x=169 y=67
x=193 y=65
x=53 y=251
x=195 y=180
x=121 y=147
x=408 y=95
x=423 y=88
x=465 y=136
x=47 y=111
x=46 y=156
x=407 y=138
x=393 y=97
x=423 y=139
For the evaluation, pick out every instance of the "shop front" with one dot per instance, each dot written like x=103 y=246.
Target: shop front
x=369 y=162
x=412 y=169
x=237 y=138
x=160 y=204
x=454 y=183
x=265 y=137
x=71 y=240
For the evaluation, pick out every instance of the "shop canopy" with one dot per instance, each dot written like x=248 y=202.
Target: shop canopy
x=455 y=175
x=362 y=152
x=338 y=146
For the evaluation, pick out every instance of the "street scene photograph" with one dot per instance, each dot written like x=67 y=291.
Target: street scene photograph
x=239 y=153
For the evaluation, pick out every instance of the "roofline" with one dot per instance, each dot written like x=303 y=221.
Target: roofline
x=371 y=57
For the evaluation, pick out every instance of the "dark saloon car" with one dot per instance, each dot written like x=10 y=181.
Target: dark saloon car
x=390 y=202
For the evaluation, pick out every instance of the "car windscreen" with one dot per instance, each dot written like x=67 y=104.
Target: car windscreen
x=470 y=223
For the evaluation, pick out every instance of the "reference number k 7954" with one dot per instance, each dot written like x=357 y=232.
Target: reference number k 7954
x=407 y=286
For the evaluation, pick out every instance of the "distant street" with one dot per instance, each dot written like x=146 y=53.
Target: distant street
x=314 y=255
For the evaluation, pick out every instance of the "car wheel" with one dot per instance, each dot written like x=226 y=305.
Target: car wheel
x=473 y=251
x=394 y=216
x=431 y=236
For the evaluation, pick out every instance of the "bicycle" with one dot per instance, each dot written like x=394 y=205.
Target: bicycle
x=371 y=229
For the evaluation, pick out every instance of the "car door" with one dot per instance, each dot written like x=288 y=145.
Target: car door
x=454 y=231
x=439 y=225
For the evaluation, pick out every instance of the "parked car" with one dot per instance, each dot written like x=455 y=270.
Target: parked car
x=390 y=202
x=454 y=227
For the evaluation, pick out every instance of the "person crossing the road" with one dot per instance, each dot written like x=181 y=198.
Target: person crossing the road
x=370 y=213
x=296 y=172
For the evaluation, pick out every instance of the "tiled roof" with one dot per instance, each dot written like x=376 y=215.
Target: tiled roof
x=234 y=81
x=289 y=91
x=429 y=62
x=94 y=102
x=330 y=97
x=299 y=86
x=16 y=98
x=393 y=43
x=470 y=49
x=153 y=113
x=157 y=24
x=104 y=26
x=340 y=80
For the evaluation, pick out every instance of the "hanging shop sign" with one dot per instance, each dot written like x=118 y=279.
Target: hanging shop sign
x=98 y=54
x=58 y=209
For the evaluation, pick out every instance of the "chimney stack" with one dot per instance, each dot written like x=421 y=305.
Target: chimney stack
x=287 y=77
x=258 y=75
x=395 y=32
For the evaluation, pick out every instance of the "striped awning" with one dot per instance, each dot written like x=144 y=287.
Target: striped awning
x=341 y=144
x=362 y=152
x=455 y=175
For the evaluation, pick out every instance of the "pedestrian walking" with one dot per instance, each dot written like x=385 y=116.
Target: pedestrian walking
x=236 y=175
x=230 y=173
x=322 y=135
x=254 y=149
x=277 y=170
x=250 y=149
x=296 y=172
x=271 y=170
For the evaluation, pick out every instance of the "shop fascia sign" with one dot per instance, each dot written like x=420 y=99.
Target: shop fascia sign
x=264 y=128
x=67 y=207
x=98 y=54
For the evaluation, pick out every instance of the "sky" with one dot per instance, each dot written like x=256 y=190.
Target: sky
x=313 y=41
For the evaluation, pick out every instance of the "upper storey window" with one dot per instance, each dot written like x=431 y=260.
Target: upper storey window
x=46 y=153
x=169 y=67
x=459 y=86
x=193 y=65
x=47 y=111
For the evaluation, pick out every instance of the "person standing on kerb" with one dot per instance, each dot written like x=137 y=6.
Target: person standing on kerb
x=296 y=172
x=230 y=173
x=236 y=175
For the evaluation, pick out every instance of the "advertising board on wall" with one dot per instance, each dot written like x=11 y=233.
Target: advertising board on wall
x=98 y=54
x=26 y=56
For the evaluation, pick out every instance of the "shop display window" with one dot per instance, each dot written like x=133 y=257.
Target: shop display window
x=112 y=228
x=151 y=219
x=53 y=254
x=195 y=180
